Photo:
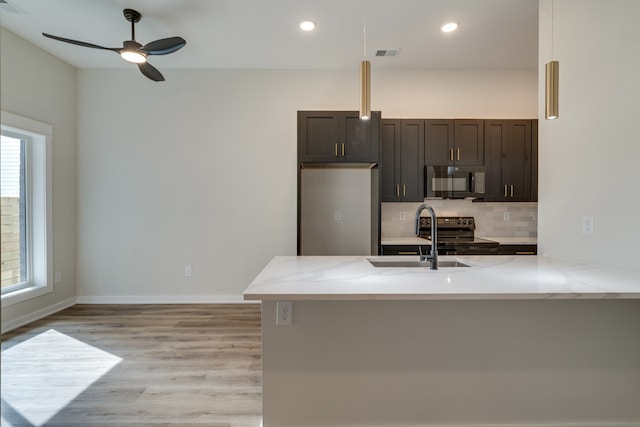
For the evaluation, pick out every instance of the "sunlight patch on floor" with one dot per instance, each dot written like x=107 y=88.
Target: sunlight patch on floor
x=42 y=375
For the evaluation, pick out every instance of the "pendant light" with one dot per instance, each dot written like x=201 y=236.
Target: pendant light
x=551 y=82
x=365 y=73
x=365 y=90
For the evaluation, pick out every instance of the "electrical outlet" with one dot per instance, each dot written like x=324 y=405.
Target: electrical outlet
x=506 y=216
x=58 y=277
x=188 y=271
x=403 y=216
x=337 y=216
x=587 y=225
x=284 y=311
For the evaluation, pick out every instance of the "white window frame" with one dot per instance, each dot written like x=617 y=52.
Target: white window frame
x=40 y=226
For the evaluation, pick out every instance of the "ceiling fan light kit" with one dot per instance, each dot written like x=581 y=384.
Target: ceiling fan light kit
x=133 y=51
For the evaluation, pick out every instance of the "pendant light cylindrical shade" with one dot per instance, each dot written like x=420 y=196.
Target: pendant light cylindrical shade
x=551 y=90
x=365 y=90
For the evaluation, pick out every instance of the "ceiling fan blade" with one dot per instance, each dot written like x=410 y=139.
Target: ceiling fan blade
x=79 y=43
x=151 y=72
x=163 y=46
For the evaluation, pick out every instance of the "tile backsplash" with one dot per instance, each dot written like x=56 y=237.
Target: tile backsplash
x=493 y=219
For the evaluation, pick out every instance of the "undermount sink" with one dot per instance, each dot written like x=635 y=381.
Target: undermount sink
x=454 y=263
x=413 y=263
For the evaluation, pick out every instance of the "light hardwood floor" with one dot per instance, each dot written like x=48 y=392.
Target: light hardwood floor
x=135 y=365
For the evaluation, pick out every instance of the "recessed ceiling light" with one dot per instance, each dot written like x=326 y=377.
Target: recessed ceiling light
x=449 y=27
x=307 y=25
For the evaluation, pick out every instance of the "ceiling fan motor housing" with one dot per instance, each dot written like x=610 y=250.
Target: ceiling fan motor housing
x=131 y=15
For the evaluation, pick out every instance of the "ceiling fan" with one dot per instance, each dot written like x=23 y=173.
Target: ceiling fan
x=133 y=51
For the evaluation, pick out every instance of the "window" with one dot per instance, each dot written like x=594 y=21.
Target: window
x=16 y=266
x=26 y=214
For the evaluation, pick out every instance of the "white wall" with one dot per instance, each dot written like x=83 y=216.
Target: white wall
x=589 y=156
x=38 y=86
x=200 y=170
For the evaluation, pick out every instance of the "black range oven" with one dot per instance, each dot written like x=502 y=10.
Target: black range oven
x=456 y=236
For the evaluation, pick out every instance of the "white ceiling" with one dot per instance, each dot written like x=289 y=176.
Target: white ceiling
x=264 y=34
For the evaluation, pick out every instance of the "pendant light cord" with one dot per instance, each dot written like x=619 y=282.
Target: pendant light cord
x=364 y=27
x=552 y=30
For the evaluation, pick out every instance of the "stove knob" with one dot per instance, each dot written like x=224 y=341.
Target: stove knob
x=464 y=222
x=459 y=221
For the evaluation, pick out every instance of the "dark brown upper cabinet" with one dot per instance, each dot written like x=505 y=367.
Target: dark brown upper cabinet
x=454 y=142
x=509 y=156
x=337 y=136
x=401 y=160
x=534 y=160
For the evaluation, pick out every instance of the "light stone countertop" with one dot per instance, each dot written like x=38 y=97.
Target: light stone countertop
x=414 y=240
x=489 y=277
x=410 y=240
x=512 y=240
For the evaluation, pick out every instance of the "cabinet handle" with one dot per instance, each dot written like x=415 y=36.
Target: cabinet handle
x=343 y=149
x=407 y=253
x=397 y=191
x=336 y=145
x=451 y=154
x=458 y=154
x=505 y=190
x=525 y=253
x=511 y=190
x=404 y=190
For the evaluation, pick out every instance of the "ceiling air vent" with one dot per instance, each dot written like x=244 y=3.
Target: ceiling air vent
x=388 y=52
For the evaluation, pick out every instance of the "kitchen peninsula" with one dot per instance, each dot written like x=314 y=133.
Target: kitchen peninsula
x=508 y=340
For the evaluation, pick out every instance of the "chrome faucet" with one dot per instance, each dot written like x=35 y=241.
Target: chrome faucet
x=433 y=257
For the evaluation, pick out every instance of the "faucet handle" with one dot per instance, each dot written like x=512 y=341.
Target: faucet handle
x=423 y=257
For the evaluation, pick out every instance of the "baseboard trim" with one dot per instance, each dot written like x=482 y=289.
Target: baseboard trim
x=163 y=299
x=529 y=425
x=36 y=315
x=534 y=425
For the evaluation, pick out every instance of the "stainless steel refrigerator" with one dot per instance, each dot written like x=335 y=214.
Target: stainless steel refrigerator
x=338 y=209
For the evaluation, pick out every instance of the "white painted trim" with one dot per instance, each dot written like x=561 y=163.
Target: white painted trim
x=37 y=315
x=527 y=425
x=18 y=123
x=40 y=227
x=163 y=299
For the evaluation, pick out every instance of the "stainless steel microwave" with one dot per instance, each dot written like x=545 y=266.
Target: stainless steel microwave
x=454 y=182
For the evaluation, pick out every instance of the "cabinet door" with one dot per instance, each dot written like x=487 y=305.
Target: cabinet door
x=403 y=250
x=359 y=140
x=518 y=249
x=508 y=160
x=411 y=160
x=318 y=135
x=495 y=138
x=534 y=160
x=438 y=142
x=516 y=165
x=389 y=160
x=468 y=147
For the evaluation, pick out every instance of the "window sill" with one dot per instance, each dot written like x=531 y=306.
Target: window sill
x=24 y=294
